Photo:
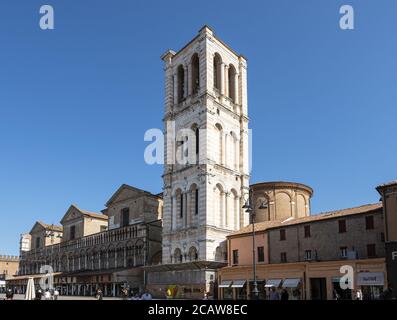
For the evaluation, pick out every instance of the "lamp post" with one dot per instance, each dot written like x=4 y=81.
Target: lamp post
x=249 y=207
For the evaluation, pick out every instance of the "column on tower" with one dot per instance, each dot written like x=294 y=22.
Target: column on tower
x=186 y=84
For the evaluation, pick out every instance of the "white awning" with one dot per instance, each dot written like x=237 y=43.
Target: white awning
x=238 y=283
x=291 y=283
x=370 y=279
x=225 y=284
x=273 y=283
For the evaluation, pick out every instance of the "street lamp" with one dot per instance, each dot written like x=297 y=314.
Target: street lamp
x=249 y=207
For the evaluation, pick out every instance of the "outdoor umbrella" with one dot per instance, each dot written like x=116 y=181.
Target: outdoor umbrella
x=30 y=291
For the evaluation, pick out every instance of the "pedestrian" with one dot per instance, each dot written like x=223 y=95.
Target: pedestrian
x=47 y=295
x=124 y=294
x=284 y=295
x=9 y=294
x=359 y=295
x=387 y=294
x=274 y=294
x=146 y=296
x=39 y=294
x=99 y=294
x=56 y=294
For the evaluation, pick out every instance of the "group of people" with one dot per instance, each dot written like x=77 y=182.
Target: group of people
x=126 y=294
x=275 y=295
x=48 y=294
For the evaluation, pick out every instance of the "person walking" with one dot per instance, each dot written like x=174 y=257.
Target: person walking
x=274 y=294
x=56 y=294
x=39 y=294
x=9 y=295
x=146 y=296
x=99 y=294
x=47 y=295
x=284 y=295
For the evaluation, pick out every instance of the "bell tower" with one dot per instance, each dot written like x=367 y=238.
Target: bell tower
x=206 y=170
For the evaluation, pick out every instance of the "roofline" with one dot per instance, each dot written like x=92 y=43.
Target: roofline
x=280 y=184
x=386 y=185
x=174 y=54
x=124 y=185
x=281 y=226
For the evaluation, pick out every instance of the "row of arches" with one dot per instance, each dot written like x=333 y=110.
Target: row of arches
x=225 y=78
x=185 y=205
x=226 y=147
x=186 y=81
x=189 y=256
x=226 y=206
x=281 y=206
x=130 y=254
x=184 y=87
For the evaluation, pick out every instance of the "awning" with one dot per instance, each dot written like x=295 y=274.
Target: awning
x=238 y=283
x=370 y=279
x=273 y=283
x=291 y=283
x=225 y=284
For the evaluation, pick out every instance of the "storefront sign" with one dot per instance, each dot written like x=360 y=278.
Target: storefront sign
x=371 y=279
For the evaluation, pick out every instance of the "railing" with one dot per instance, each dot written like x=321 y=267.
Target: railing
x=102 y=238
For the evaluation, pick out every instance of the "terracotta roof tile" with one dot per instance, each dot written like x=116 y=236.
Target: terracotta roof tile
x=262 y=226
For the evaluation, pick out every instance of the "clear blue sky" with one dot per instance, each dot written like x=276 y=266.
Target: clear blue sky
x=75 y=102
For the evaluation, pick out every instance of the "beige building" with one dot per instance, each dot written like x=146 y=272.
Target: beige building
x=97 y=250
x=8 y=268
x=304 y=255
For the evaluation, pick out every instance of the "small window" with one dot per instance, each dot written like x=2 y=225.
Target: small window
x=342 y=226
x=283 y=235
x=37 y=242
x=371 y=251
x=72 y=232
x=181 y=206
x=125 y=217
x=369 y=222
x=196 y=202
x=235 y=257
x=283 y=257
x=382 y=237
x=104 y=228
x=307 y=232
x=343 y=252
x=308 y=255
x=261 y=254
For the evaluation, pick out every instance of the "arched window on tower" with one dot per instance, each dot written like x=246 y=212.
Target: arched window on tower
x=217 y=71
x=232 y=82
x=195 y=74
x=181 y=83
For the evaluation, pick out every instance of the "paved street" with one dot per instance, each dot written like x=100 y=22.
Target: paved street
x=22 y=297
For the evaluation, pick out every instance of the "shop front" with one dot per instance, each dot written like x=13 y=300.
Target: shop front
x=293 y=287
x=339 y=293
x=240 y=289
x=371 y=284
x=226 y=290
